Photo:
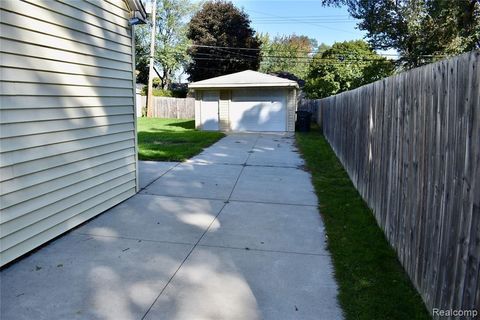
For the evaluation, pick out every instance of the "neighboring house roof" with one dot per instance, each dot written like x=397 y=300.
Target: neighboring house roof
x=289 y=76
x=244 y=79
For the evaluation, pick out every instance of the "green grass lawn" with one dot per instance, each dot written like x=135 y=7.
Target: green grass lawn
x=171 y=139
x=373 y=284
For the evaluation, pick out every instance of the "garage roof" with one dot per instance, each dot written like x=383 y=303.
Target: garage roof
x=243 y=79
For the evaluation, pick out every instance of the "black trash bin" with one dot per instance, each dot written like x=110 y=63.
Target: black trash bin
x=304 y=118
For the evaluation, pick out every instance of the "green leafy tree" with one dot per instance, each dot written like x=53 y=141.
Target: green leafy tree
x=286 y=53
x=171 y=42
x=422 y=31
x=345 y=66
x=142 y=50
x=323 y=47
x=217 y=28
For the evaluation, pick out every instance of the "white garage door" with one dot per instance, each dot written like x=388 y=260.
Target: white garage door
x=209 y=110
x=258 y=110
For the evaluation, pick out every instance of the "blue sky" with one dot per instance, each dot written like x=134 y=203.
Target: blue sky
x=301 y=17
x=309 y=18
x=304 y=17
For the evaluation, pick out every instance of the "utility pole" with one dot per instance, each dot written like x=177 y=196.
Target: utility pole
x=152 y=54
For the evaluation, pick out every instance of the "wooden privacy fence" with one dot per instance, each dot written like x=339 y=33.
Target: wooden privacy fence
x=410 y=144
x=175 y=108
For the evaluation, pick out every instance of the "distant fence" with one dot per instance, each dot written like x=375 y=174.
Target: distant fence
x=166 y=107
x=411 y=145
x=141 y=102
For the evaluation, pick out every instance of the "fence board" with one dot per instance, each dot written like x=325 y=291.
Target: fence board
x=410 y=144
x=173 y=108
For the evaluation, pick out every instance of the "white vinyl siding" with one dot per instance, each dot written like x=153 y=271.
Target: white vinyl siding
x=209 y=110
x=67 y=117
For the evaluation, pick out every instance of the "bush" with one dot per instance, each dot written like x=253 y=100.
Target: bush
x=156 y=82
x=157 y=92
x=180 y=93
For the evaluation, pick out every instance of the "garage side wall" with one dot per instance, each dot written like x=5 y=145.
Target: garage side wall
x=223 y=110
x=291 y=108
x=67 y=117
x=198 y=104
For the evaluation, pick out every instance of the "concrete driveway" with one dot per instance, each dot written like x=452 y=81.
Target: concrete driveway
x=233 y=233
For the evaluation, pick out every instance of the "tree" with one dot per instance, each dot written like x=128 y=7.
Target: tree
x=286 y=54
x=345 y=66
x=422 y=31
x=142 y=50
x=171 y=41
x=215 y=31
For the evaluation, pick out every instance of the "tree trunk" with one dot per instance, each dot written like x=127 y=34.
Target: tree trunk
x=165 y=81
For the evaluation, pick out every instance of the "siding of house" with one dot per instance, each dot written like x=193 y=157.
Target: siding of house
x=67 y=117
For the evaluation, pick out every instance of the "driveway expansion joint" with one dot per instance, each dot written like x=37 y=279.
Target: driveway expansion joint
x=159 y=177
x=264 y=250
x=133 y=239
x=227 y=200
x=196 y=244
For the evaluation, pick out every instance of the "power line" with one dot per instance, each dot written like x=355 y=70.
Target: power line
x=314 y=16
x=237 y=53
x=293 y=22
x=339 y=57
x=259 y=49
x=330 y=60
x=317 y=52
x=277 y=54
x=222 y=47
x=300 y=21
x=303 y=19
x=344 y=52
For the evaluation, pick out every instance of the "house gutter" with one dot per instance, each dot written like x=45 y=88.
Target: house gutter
x=242 y=85
x=139 y=11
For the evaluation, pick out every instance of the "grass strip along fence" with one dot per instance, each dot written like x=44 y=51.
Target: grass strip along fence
x=411 y=146
x=372 y=282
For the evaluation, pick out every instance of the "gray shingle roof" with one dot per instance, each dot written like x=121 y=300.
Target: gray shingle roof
x=243 y=79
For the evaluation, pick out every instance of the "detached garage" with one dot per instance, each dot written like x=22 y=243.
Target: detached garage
x=245 y=101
